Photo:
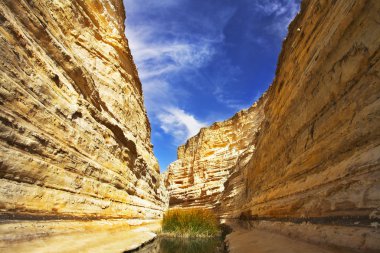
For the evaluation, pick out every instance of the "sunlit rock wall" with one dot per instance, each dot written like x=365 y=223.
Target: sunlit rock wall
x=318 y=151
x=205 y=162
x=74 y=134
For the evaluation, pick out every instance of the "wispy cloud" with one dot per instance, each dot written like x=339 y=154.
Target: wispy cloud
x=282 y=12
x=155 y=57
x=270 y=7
x=178 y=123
x=162 y=99
x=162 y=51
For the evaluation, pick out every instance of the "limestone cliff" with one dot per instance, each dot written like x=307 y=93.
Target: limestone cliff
x=318 y=151
x=205 y=162
x=315 y=155
x=74 y=138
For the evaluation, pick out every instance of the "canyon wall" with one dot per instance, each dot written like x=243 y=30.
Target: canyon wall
x=205 y=162
x=74 y=137
x=318 y=151
x=315 y=155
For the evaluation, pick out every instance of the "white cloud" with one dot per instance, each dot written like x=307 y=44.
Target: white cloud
x=159 y=53
x=179 y=124
x=271 y=7
x=156 y=58
x=282 y=10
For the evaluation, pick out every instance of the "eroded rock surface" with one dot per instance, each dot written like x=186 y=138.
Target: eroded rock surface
x=205 y=162
x=318 y=151
x=74 y=137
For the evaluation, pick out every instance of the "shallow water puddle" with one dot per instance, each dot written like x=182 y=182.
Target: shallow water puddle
x=184 y=245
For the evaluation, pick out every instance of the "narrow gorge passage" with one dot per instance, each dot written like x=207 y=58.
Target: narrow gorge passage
x=297 y=171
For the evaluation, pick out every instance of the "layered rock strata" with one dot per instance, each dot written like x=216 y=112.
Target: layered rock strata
x=205 y=162
x=316 y=154
x=74 y=137
x=318 y=151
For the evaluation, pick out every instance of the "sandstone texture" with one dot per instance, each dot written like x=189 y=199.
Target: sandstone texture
x=314 y=151
x=74 y=133
x=205 y=162
x=318 y=151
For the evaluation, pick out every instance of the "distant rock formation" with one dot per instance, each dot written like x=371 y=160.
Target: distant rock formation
x=75 y=137
x=310 y=149
x=207 y=160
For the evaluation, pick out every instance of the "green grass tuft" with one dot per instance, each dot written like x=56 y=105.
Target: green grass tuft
x=190 y=223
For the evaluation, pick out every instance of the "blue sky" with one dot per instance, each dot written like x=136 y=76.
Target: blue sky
x=201 y=61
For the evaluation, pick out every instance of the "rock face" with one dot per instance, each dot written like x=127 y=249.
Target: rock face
x=74 y=137
x=318 y=151
x=205 y=162
x=315 y=155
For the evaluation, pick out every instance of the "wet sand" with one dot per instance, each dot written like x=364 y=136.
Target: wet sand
x=257 y=241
